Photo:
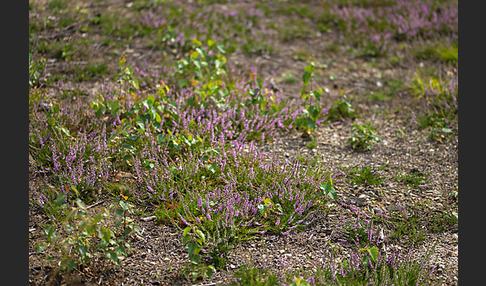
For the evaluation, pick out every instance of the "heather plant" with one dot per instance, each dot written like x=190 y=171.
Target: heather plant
x=364 y=266
x=361 y=232
x=405 y=225
x=176 y=23
x=67 y=158
x=252 y=275
x=249 y=200
x=441 y=103
x=413 y=178
x=446 y=53
x=367 y=175
x=372 y=266
x=373 y=27
x=213 y=109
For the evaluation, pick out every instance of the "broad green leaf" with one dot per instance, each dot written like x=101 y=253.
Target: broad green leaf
x=118 y=218
x=68 y=264
x=186 y=231
x=200 y=51
x=135 y=84
x=60 y=200
x=317 y=94
x=373 y=251
x=112 y=255
x=120 y=250
x=329 y=190
x=65 y=131
x=186 y=239
x=194 y=54
x=201 y=234
x=210 y=271
x=310 y=124
x=140 y=124
x=221 y=48
x=309 y=68
x=260 y=82
x=196 y=42
x=158 y=119
x=306 y=77
x=193 y=248
x=42 y=248
x=125 y=206
x=83 y=251
x=212 y=167
x=55 y=108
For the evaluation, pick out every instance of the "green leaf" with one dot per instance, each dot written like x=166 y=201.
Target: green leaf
x=124 y=205
x=260 y=82
x=140 y=124
x=221 y=48
x=373 y=253
x=68 y=264
x=329 y=190
x=75 y=190
x=212 y=167
x=42 y=248
x=135 y=84
x=193 y=248
x=65 y=131
x=186 y=239
x=55 y=108
x=309 y=68
x=317 y=94
x=105 y=234
x=306 y=77
x=60 y=200
x=118 y=218
x=186 y=231
x=446 y=130
x=83 y=251
x=112 y=256
x=158 y=119
x=121 y=250
x=310 y=124
x=201 y=234
x=209 y=272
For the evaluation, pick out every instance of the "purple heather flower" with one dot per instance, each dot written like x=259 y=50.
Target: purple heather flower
x=285 y=233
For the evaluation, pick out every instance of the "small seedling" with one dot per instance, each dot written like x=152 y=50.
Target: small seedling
x=341 y=109
x=363 y=137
